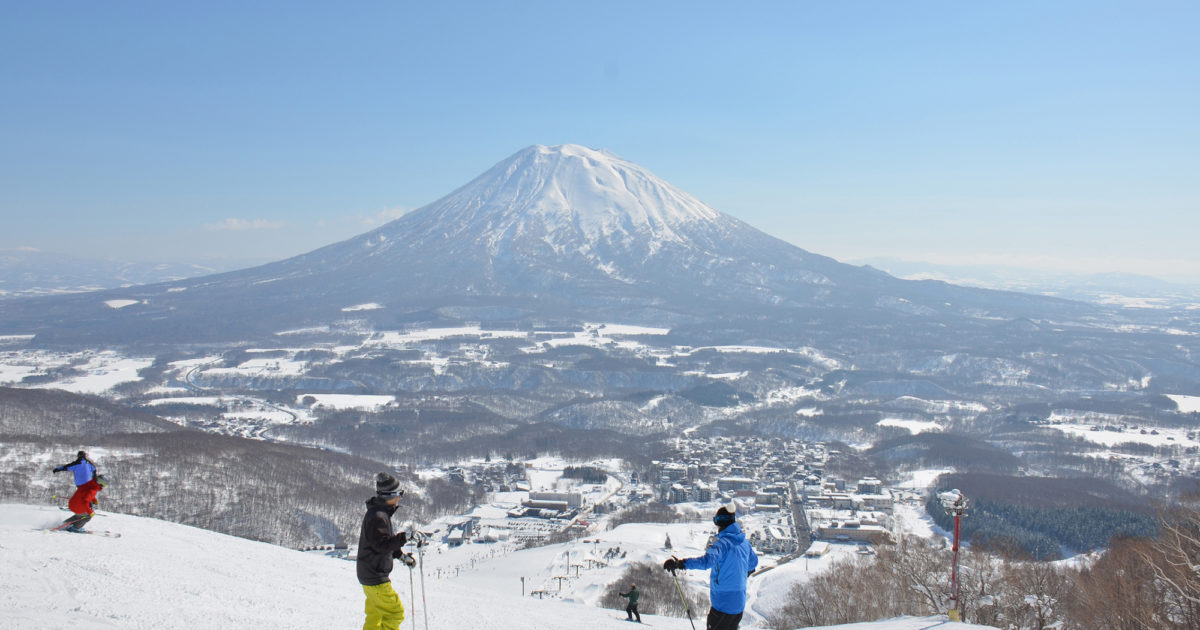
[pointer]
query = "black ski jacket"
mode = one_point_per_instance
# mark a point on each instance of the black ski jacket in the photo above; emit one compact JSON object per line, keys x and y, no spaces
{"x":377,"y":543}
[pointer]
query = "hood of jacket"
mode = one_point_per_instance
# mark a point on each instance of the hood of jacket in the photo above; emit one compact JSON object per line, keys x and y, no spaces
{"x":377,"y":503}
{"x":733,"y":532}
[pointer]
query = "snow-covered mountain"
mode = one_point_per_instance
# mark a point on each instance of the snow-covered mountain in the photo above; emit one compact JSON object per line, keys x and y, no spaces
{"x":160,"y":575}
{"x":566,"y":198}
{"x":558,"y":233}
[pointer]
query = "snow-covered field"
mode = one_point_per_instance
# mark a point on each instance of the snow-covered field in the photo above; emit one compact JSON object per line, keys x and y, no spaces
{"x":913,"y":426}
{"x":348,"y":401}
{"x":1186,"y":404}
{"x":103,"y":372}
{"x":92,"y":372}
{"x":1111,"y":437}
{"x":923,"y":479}
{"x":160,"y":575}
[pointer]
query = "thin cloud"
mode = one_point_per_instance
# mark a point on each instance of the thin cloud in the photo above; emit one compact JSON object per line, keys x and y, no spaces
{"x":239,"y":225}
{"x":385,"y":215}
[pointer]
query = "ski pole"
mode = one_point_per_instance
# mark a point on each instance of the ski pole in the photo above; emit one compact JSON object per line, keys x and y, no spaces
{"x":412,"y":596}
{"x":682,"y":599}
{"x":421,"y":563}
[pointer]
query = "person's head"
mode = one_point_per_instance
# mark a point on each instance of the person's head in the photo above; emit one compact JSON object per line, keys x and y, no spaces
{"x":725,"y":516}
{"x":387,"y":488}
{"x":632,"y":586}
{"x":81,"y":455}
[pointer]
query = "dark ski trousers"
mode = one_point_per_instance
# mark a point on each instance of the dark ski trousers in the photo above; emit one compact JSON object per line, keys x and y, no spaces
{"x":718,"y":620}
{"x":631,"y":610}
{"x":77,"y":521}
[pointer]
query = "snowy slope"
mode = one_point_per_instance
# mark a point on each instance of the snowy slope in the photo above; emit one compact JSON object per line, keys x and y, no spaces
{"x":569,"y":191}
{"x":161,"y":575}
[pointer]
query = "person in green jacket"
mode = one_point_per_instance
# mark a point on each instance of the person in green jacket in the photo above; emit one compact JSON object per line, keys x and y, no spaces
{"x":631,"y":608}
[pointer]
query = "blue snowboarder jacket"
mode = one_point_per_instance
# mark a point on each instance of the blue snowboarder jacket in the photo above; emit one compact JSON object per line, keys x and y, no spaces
{"x":81,"y":468}
{"x":732,"y":560}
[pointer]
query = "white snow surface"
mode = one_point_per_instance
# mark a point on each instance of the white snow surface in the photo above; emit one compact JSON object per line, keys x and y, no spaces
{"x":369,"y":306}
{"x":572,"y":187}
{"x":161,"y":575}
{"x":914,"y":426}
{"x":923,"y":479}
{"x":1186,"y":404}
{"x":348,"y":401}
{"x":1111,"y":436}
{"x":103,"y":371}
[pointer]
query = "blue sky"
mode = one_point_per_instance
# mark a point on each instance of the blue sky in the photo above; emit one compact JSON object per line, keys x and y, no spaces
{"x":1049,"y":134}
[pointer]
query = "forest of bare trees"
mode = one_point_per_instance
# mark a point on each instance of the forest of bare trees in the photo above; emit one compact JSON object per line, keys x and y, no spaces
{"x":1136,"y":584}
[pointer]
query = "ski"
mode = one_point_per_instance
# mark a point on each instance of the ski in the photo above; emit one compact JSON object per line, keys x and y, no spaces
{"x":98,"y":532}
{"x":633,"y":621}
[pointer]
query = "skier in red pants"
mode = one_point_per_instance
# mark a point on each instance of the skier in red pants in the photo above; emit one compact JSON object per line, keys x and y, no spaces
{"x":83,"y":504}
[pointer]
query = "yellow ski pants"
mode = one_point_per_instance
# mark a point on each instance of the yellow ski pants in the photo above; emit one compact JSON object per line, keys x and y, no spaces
{"x":383,"y":608}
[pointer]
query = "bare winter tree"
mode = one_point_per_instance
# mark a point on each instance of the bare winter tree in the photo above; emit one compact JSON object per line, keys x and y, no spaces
{"x":979,"y":586}
{"x":923,"y":569}
{"x":1174,"y":557}
{"x":1117,"y":592}
{"x":1037,"y":594}
{"x":659,"y":593}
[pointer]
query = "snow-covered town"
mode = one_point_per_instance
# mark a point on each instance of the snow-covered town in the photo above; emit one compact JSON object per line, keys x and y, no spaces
{"x":793,"y":514}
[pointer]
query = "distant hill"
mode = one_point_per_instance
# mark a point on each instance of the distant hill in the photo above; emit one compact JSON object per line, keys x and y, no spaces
{"x":934,"y":450}
{"x":30,"y":272}
{"x":49,"y":413}
{"x":281,"y":493}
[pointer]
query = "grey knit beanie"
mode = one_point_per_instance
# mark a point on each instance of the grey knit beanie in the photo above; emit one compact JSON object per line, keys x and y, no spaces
{"x":387,"y":486}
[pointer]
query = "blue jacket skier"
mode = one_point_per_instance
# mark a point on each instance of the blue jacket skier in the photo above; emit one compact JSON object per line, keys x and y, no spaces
{"x":87,"y":484}
{"x":83,"y":468}
{"x":730,"y":560}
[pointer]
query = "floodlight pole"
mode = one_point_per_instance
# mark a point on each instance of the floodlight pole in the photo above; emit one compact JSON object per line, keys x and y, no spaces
{"x":956,"y":506}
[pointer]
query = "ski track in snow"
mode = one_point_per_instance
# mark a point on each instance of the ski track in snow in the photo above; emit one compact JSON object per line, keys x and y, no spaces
{"x":161,"y":575}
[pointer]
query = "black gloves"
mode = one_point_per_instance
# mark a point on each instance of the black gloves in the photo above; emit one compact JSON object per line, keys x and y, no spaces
{"x":408,"y":560}
{"x":60,"y":469}
{"x":403,"y":538}
{"x":673,"y":564}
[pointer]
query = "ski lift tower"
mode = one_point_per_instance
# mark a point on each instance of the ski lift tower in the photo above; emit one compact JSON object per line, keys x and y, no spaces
{"x":956,"y":505}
